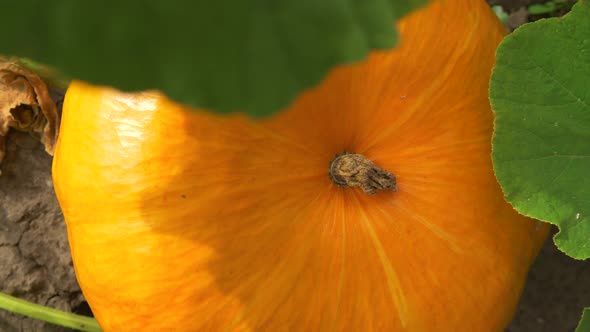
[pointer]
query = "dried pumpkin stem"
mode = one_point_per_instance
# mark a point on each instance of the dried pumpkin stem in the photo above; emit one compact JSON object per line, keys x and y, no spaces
{"x":349,"y":170}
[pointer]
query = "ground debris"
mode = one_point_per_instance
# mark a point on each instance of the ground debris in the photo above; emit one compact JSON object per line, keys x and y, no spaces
{"x":25,"y":105}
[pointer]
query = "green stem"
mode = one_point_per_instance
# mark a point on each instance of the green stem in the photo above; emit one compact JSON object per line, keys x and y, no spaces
{"x":47,"y":314}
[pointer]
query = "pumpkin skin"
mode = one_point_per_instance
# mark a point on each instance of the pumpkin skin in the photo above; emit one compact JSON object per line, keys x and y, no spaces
{"x":184,"y":220}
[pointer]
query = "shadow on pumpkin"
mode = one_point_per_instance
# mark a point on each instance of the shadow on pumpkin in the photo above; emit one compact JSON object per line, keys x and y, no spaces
{"x":247,"y":230}
{"x":246,"y":220}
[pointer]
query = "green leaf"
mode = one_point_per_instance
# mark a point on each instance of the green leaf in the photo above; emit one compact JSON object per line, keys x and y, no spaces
{"x":500,"y":13}
{"x":541,"y":147}
{"x":584,"y":325}
{"x":226,"y":55}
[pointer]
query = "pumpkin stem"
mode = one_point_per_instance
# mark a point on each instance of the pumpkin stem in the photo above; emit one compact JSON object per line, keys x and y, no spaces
{"x":350,"y":170}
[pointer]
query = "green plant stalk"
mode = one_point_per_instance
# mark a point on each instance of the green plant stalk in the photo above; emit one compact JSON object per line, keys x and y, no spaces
{"x":50,"y":315}
{"x":549,"y":7}
{"x":543,"y":8}
{"x":499,"y":11}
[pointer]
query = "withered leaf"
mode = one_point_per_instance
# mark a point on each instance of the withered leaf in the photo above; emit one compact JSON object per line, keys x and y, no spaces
{"x":25,"y":105}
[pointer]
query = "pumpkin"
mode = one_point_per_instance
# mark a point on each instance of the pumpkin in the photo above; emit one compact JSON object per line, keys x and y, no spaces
{"x":370,"y":204}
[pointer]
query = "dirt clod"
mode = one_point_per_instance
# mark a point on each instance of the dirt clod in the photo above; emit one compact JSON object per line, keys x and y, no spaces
{"x":35,"y":262}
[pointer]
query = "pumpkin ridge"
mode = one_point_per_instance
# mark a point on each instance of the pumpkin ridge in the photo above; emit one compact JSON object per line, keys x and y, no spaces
{"x":434,"y":229}
{"x":444,"y":150}
{"x":343,"y":264}
{"x":256,"y":304}
{"x":418,"y":111}
{"x":394,"y":286}
{"x":279,"y":136}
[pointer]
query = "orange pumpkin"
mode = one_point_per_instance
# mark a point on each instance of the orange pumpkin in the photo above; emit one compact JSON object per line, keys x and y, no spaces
{"x":189,"y":221}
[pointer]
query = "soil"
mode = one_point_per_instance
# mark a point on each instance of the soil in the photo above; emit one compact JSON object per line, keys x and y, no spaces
{"x":35,"y":263}
{"x":556,"y":292}
{"x":34,"y":254}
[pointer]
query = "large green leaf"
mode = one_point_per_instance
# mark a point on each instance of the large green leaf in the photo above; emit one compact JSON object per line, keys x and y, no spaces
{"x":584,"y":325}
{"x":227,"y":55}
{"x":540,"y":91}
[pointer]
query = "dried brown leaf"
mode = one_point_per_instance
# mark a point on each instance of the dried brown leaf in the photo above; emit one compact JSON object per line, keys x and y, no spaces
{"x":25,"y":105}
